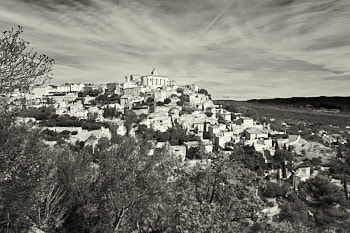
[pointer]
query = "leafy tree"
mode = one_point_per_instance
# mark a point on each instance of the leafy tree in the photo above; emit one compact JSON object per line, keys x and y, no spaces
{"x":250,"y":158}
{"x":272,"y":190}
{"x":323,"y":192}
{"x":185,"y":98}
{"x":203,"y":91}
{"x":110,"y":112}
{"x":279,"y":227}
{"x":180,"y":90}
{"x":19,"y":67}
{"x":160,"y":103}
{"x":146,"y":133}
{"x":282,"y":159}
{"x":128,"y":192}
{"x":163,"y":136}
{"x":208,"y":114}
{"x":167,"y":101}
{"x":179,"y":103}
{"x":186,"y":110}
{"x":130,"y":118}
{"x":339,"y":153}
{"x":23,"y":159}
{"x":178,"y":135}
{"x":42,"y":113}
{"x":150,"y":100}
{"x":194,"y":152}
{"x":220,"y":197}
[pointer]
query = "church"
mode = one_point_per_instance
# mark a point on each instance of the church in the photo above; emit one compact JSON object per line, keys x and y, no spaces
{"x":154,"y":80}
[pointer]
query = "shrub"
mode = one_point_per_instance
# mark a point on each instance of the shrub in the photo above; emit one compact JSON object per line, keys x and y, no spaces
{"x":194,"y":153}
{"x":74,"y":133}
{"x":180,"y":90}
{"x":65,"y":132}
{"x":203,"y":91}
{"x":273,"y":190}
{"x":209,"y":114}
{"x":167,"y":101}
{"x":160,"y":103}
{"x":185,"y":98}
{"x":179,"y":103}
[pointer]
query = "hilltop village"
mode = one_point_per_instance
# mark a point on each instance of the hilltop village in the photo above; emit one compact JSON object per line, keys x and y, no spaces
{"x":120,"y":130}
{"x":180,"y":118}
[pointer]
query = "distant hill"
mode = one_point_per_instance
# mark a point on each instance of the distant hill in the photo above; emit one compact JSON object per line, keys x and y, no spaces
{"x":315,"y":113}
{"x":322,"y":103}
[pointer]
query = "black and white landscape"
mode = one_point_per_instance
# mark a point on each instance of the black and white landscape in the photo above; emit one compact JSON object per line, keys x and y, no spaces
{"x":174,"y":116}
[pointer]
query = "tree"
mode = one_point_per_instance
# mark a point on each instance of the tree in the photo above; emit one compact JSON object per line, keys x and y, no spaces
{"x":178,"y":135}
{"x":180,"y":90}
{"x":281,"y":158}
{"x":276,"y":145}
{"x":23,"y":169}
{"x":250,"y":158}
{"x":179,"y":103}
{"x":130,"y":118}
{"x":339,"y":153}
{"x":218,"y":197}
{"x":323,"y":192}
{"x":160,"y":103}
{"x":185,"y":98}
{"x":128,"y":190}
{"x":272,"y":190}
{"x":150,"y":100}
{"x":194,"y":152}
{"x":19,"y":67}
{"x":167,"y":101}
{"x":208,"y":114}
{"x":203,"y":91}
{"x":163,"y":136}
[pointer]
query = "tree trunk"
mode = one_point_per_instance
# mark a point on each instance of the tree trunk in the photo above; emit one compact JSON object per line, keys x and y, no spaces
{"x":119,"y":220}
{"x":345,"y":187}
{"x":8,"y":221}
{"x":284,"y":171}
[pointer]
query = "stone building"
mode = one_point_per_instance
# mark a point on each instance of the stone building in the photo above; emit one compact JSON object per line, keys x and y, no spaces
{"x":154,"y":80}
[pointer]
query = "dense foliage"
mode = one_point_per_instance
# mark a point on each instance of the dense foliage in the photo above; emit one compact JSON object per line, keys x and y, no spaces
{"x":119,"y":186}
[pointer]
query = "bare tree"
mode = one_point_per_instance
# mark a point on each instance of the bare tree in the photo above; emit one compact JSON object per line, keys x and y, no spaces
{"x":20,"y":67}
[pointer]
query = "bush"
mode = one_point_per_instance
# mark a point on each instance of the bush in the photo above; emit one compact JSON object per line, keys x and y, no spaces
{"x":179,"y":103}
{"x":91,"y":126}
{"x":273,"y":190}
{"x":167,"y":101}
{"x":65,"y":132}
{"x":194,"y":153}
{"x":150,"y":100}
{"x":180,"y":90}
{"x":163,"y":136}
{"x":188,"y":110}
{"x":185,"y":98}
{"x":160,"y":103}
{"x":324,"y":192}
{"x":74,"y":133}
{"x":209,"y":114}
{"x":203,"y":91}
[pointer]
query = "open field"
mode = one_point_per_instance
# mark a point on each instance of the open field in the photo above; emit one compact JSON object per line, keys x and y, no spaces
{"x":289,"y":114}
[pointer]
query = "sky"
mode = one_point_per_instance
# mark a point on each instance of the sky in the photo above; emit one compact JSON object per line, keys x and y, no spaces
{"x":236,"y":49}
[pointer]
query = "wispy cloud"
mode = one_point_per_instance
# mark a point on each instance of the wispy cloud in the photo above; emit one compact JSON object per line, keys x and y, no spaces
{"x":239,"y":48}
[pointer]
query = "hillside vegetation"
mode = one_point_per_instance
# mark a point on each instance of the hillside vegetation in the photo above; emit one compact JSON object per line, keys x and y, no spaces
{"x":322,"y":102}
{"x":297,"y":115}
